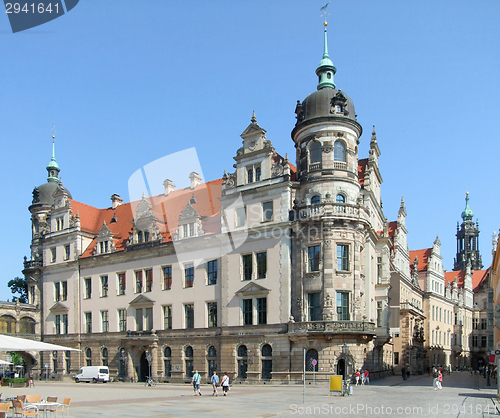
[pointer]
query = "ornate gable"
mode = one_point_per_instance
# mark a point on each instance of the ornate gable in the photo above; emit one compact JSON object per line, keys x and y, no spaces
{"x":58,"y":307}
{"x":142,"y":300}
{"x":252,"y":289}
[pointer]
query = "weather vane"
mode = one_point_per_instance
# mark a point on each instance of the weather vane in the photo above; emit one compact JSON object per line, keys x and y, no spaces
{"x":323,"y":9}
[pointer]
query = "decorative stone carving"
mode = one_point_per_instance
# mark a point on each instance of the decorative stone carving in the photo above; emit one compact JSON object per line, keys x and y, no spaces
{"x":276,"y":169}
{"x":36,"y":195}
{"x":229,"y":180}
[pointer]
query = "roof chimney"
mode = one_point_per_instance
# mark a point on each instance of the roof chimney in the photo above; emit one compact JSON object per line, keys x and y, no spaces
{"x":195,"y":179}
{"x":169,"y":187}
{"x":116,"y":201}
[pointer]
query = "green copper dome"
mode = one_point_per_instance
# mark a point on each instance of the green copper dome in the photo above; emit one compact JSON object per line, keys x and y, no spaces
{"x":467,"y":213}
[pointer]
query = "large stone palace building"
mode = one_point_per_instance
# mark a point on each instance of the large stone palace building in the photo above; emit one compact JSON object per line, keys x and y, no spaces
{"x":249,"y":273}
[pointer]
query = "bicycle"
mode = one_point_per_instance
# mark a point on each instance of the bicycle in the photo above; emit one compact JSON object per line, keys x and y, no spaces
{"x":150,"y":381}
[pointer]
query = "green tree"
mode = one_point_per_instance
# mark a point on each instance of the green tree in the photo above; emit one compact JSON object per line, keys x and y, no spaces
{"x":20,"y":287}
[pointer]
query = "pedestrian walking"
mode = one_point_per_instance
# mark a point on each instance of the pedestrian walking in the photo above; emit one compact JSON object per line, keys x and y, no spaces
{"x":215,"y":383}
{"x":196,"y":383}
{"x":357,"y":377}
{"x":403,"y":372}
{"x":362,"y":378}
{"x":435,"y":378}
{"x":440,"y":380}
{"x":31,"y":382}
{"x":225,"y":383}
{"x":367,"y":377}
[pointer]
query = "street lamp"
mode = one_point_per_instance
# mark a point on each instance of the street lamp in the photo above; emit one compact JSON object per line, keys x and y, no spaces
{"x":149,"y":358}
{"x":345,"y":351}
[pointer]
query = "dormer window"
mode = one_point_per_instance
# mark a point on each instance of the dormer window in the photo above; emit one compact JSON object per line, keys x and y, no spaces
{"x":59,"y":223}
{"x":139,"y":236}
{"x":254,"y":173}
{"x":103,"y":246}
{"x":338,"y":108}
{"x":315,"y":200}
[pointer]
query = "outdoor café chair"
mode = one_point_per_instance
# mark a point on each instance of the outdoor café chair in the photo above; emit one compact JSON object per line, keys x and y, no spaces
{"x":21,"y":410}
{"x":63,"y":408}
{"x":33,"y":398}
{"x":21,"y":398}
{"x":4,"y":408}
{"x":52,"y":408}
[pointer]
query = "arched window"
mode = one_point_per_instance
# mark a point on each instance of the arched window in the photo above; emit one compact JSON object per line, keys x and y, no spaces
{"x":340,"y":198}
{"x":123,"y":362}
{"x":315,"y":200}
{"x":26,"y":326}
{"x":7,"y":324}
{"x":167,"y":361}
{"x":211,"y":360}
{"x":267,"y":362}
{"x":104,"y":353}
{"x":315,"y":152}
{"x":88,"y":356}
{"x":311,"y":355}
{"x":242,"y":361}
{"x":188,"y":360}
{"x":339,"y":151}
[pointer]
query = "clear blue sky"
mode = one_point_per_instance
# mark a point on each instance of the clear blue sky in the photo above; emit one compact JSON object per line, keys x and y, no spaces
{"x":127,"y":82}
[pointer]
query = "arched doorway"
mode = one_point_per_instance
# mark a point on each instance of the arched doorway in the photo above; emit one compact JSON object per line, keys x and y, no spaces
{"x":341,"y":367}
{"x":144,"y":368}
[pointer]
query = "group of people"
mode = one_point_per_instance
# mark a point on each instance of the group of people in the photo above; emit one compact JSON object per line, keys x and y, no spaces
{"x":362,"y":377}
{"x":437,"y":378}
{"x":214,"y":380}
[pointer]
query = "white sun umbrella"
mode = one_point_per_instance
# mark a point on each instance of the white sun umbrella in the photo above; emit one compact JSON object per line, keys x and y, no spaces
{"x":8,"y":343}
{"x":4,"y":363}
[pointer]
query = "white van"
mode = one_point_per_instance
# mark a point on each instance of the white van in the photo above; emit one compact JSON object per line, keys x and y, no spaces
{"x":93,"y":374}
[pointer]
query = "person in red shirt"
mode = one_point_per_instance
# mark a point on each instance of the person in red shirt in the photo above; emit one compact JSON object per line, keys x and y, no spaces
{"x":357,"y":377}
{"x":367,"y":377}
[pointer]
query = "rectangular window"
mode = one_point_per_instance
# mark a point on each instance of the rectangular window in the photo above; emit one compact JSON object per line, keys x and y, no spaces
{"x":396,"y":358}
{"x":483,"y":340}
{"x":53,"y":255}
{"x":379,"y":269}
{"x":64,"y":323}
{"x":267,"y":211}
{"x":122,"y":284}
{"x":191,"y":229}
{"x":149,"y":280}
{"x":104,"y":286}
{"x":149,"y":319}
{"x":250,"y":175}
{"x":247,"y":266}
{"x":314,"y":307}
{"x":490,"y":340}
{"x":188,"y":275}
{"x":57,"y":291}
{"x":138,"y":281}
{"x":343,"y":257}
{"x":313,"y":253}
{"x":185,"y":230}
{"x":122,"y":320}
{"x":261,"y":265}
{"x":379,"y":314}
{"x":139,"y":319}
{"x":57,"y":323}
{"x":167,"y":317}
{"x":483,"y":323}
{"x":490,"y":319}
{"x":490,"y":297}
{"x":212,"y":272}
{"x":474,"y":341}
{"x":67,"y":252}
{"x":261,"y":311}
{"x":88,"y":322}
{"x":343,"y":306}
{"x":241,"y":217}
{"x":88,"y":288}
{"x":167,"y":278}
{"x":475,"y":322}
{"x":104,"y":321}
{"x":189,"y":316}
{"x":257,"y":173}
{"x":212,"y":314}
{"x":247,"y":312}
{"x":64,"y":291}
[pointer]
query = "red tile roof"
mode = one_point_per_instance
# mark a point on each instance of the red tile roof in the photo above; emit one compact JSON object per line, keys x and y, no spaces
{"x":478,"y":278}
{"x":361,"y":170}
{"x":165,"y":208}
{"x":422,"y":257}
